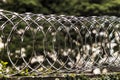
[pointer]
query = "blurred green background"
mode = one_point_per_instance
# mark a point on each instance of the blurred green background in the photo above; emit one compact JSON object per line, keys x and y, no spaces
{"x":67,"y":7}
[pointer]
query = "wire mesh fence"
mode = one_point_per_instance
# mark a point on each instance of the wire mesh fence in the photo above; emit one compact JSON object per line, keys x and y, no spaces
{"x":40,"y":44}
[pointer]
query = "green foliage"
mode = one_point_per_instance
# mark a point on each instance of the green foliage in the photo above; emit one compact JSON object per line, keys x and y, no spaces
{"x":29,"y":2}
{"x":76,"y":77}
{"x":100,"y":77}
{"x":3,"y":66}
{"x":111,"y":77}
{"x":24,"y":73}
{"x":69,"y":7}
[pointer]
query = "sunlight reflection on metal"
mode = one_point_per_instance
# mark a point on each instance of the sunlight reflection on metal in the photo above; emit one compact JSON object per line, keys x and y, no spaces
{"x":45,"y":44}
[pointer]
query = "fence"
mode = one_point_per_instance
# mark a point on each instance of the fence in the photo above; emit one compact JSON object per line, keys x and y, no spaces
{"x":37,"y":44}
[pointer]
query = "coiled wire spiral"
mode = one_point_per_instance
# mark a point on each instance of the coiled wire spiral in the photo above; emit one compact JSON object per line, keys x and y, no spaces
{"x":44,"y":44}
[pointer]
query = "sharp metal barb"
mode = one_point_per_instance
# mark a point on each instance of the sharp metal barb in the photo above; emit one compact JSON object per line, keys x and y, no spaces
{"x":44,"y":44}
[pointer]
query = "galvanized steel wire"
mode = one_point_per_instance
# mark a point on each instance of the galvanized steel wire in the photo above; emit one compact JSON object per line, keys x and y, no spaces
{"x":51,"y":43}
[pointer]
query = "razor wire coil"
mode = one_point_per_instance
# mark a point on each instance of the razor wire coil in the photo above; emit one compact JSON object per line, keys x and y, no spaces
{"x":51,"y":43}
